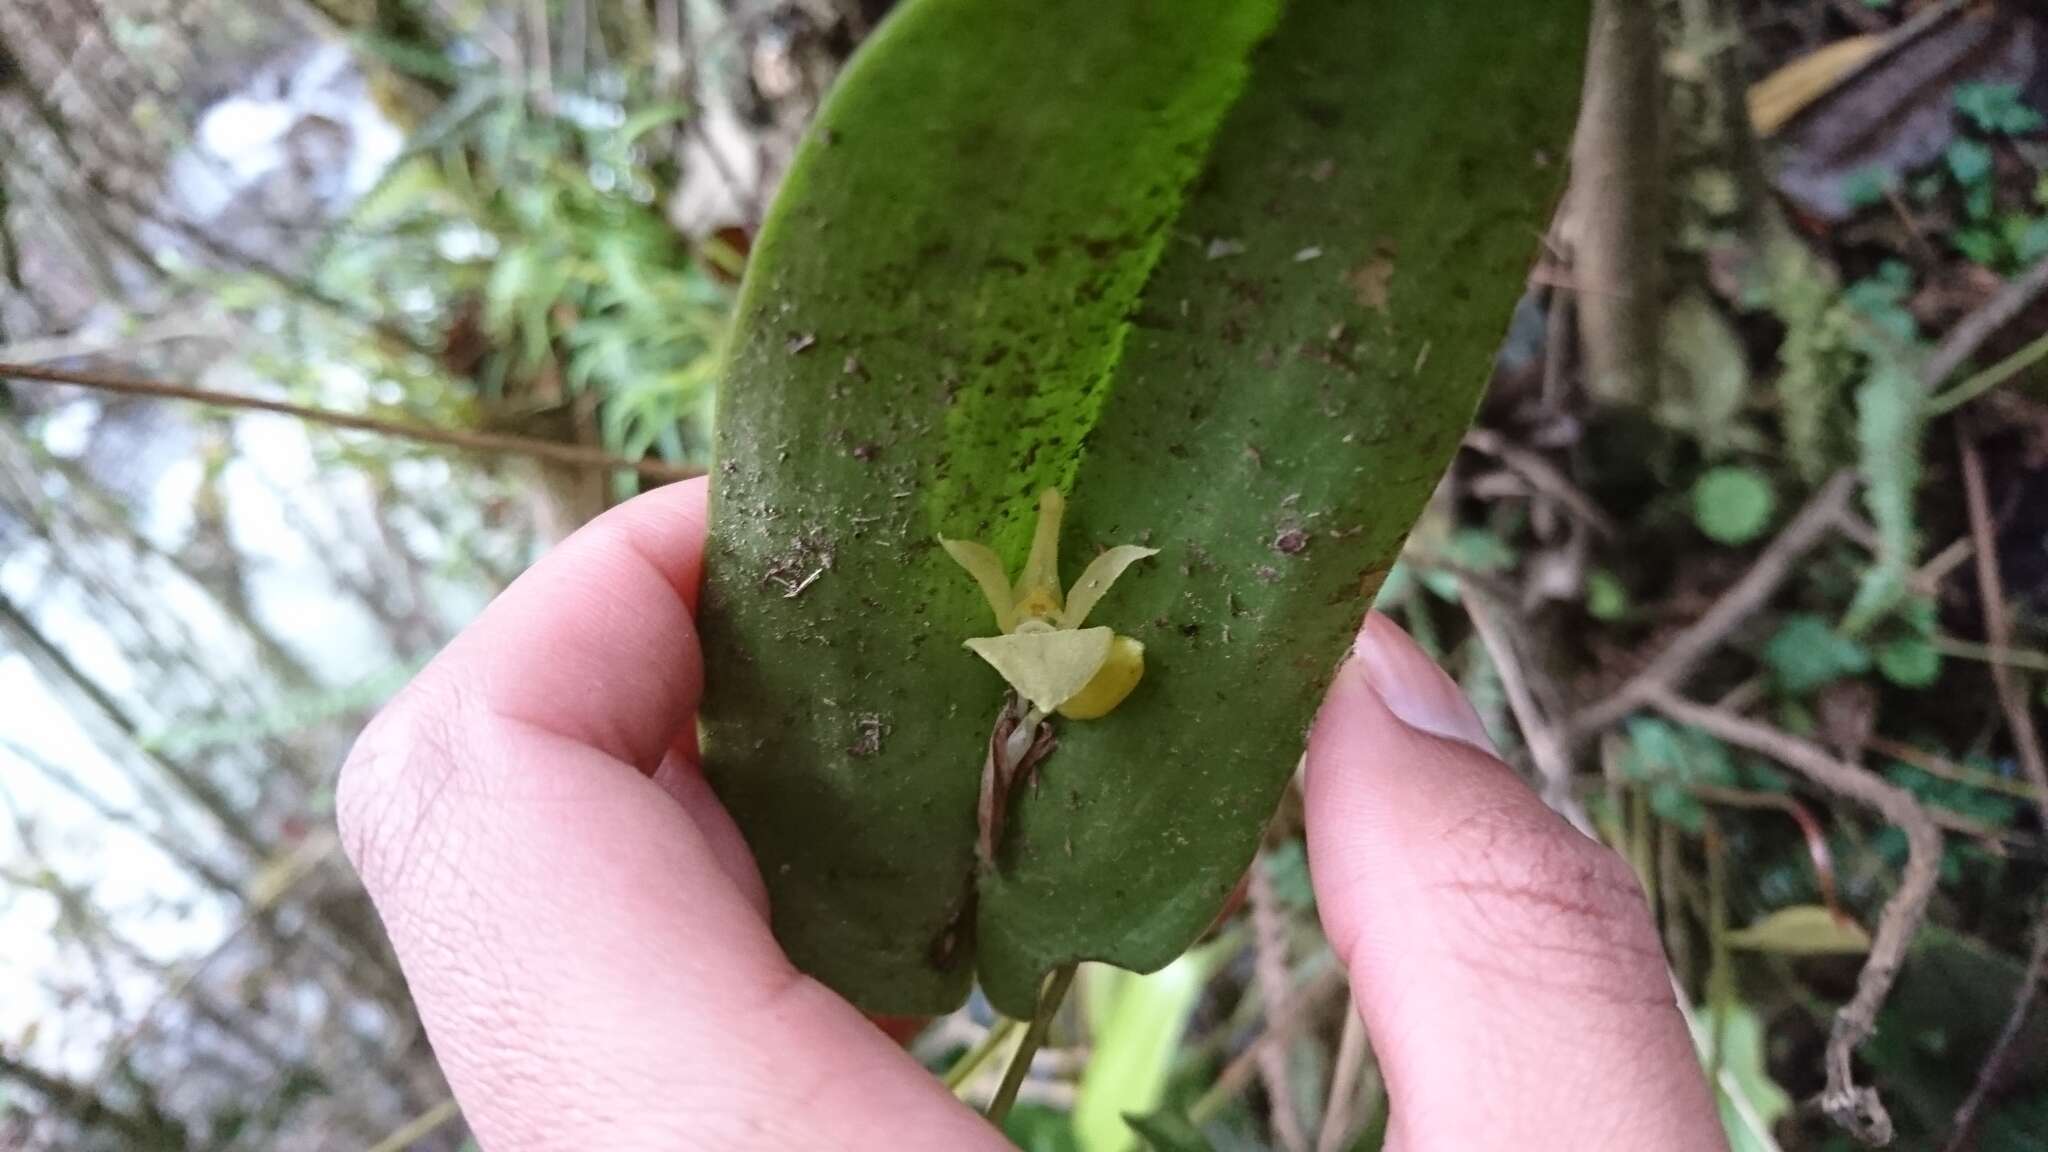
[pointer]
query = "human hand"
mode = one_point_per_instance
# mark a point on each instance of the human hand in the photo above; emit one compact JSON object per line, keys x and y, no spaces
{"x":586,"y":935}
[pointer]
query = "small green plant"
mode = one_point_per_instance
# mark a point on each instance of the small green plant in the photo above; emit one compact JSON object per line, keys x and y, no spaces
{"x":1807,"y":653}
{"x":1997,"y":109}
{"x":1905,"y":651}
{"x":1996,"y":239}
{"x":1880,"y":300}
{"x":1733,"y":505}
{"x":532,"y":241}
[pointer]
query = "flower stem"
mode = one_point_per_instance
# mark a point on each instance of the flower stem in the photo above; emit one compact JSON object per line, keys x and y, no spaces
{"x":1049,"y":1001}
{"x":963,"y":1071}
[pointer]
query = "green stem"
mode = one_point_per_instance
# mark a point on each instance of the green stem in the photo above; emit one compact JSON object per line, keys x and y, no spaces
{"x":1990,"y":378}
{"x":1049,"y":1000}
{"x":963,"y":1071}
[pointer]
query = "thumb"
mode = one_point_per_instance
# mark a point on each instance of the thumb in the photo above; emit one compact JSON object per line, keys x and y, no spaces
{"x":1506,"y":966}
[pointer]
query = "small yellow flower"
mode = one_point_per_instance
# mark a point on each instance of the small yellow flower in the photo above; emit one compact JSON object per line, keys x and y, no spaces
{"x":1044,"y":652}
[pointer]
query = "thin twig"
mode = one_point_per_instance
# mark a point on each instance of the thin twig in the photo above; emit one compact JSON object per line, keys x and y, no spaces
{"x":1936,"y":571}
{"x":2012,"y":693}
{"x":1335,"y":1134}
{"x":2015,"y":1022}
{"x":1669,"y":669}
{"x":290,"y":871}
{"x":158,"y":330}
{"x":1279,"y":1030}
{"x":1543,"y":476}
{"x":1269,"y":971}
{"x":1816,"y":839}
{"x":1935,"y":765}
{"x":1926,"y":579}
{"x":1854,"y":1107}
{"x":1969,"y":336}
{"x":419,"y":1127}
{"x":1982,"y":382}
{"x":1553,"y":759}
{"x":2024,"y":658}
{"x":489,"y":443}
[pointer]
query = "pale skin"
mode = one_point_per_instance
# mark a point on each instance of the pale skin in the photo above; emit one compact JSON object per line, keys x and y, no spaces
{"x":585,"y":932}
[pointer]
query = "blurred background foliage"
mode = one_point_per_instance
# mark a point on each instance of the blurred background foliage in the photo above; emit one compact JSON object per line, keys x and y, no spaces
{"x":1764,"y":453}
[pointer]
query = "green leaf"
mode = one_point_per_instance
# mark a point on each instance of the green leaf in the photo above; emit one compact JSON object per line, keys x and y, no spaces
{"x":1881,"y":299}
{"x":1979,"y":246}
{"x":1909,"y":661}
{"x":1169,"y":1132}
{"x":1135,"y":1027}
{"x":1803,"y":930}
{"x":1969,"y":161}
{"x":1037,"y":1128}
{"x":1670,"y":760}
{"x":1807,"y":653}
{"x":648,"y":118}
{"x":1606,"y":595}
{"x":1733,"y":505}
{"x":1751,"y":1103}
{"x":1865,"y":187}
{"x":1288,"y":864}
{"x":2028,"y":238}
{"x":1997,"y":109}
{"x":1228,"y":279}
{"x":1479,"y":550}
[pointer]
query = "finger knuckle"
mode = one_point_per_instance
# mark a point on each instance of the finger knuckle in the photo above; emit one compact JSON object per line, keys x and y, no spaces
{"x":394,"y":776}
{"x":1532,"y":897}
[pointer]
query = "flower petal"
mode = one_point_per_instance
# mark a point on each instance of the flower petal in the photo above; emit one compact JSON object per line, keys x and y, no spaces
{"x":986,"y":567}
{"x":1047,"y":667}
{"x":1110,"y":684}
{"x":1039,"y":582}
{"x":1100,"y":574}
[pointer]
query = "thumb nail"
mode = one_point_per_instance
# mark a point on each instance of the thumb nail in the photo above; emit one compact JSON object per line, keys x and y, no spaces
{"x":1414,"y":689}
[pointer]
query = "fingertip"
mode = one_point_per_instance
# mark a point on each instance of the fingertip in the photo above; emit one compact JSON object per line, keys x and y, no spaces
{"x":669,"y":526}
{"x":1413,"y":687}
{"x":1480,"y":929}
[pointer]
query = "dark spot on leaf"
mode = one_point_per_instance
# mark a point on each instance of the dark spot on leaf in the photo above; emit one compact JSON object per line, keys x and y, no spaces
{"x":1322,"y":113}
{"x":867,"y":451}
{"x":801,"y":342}
{"x":1290,"y":541}
{"x":868,"y":730}
{"x":1191,"y":630}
